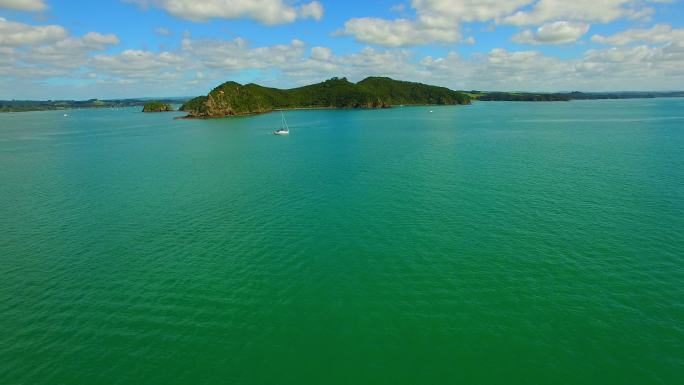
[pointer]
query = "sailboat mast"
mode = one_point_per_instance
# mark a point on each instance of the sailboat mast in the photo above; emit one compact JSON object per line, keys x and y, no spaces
{"x":283,"y":121}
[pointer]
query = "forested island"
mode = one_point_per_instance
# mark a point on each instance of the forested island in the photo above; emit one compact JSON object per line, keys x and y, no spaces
{"x":233,"y":99}
{"x":157,"y":107}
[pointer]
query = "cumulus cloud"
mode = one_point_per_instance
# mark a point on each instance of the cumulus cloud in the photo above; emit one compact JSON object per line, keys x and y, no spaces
{"x":633,"y":68}
{"x":642,"y":65}
{"x":449,"y":11}
{"x":513,"y":70}
{"x":312,"y":10}
{"x":96,"y":39}
{"x":600,"y":11}
{"x":661,"y":33}
{"x":194,"y":69}
{"x":197,"y":63}
{"x":324,"y":63}
{"x":39,"y":52}
{"x":269,"y":12}
{"x":617,"y":68}
{"x":138,"y":64}
{"x":237,"y":54}
{"x":560,"y":32}
{"x":68,"y":53}
{"x":321,"y":53}
{"x":23,"y":5}
{"x":437,"y":21}
{"x":397,"y":33}
{"x":18,"y":34}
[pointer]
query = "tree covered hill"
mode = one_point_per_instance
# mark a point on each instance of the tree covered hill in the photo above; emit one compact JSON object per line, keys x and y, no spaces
{"x":155,"y":106}
{"x":232,"y":98}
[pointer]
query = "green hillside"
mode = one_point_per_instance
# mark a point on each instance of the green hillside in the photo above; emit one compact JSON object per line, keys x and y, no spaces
{"x":232,"y":98}
{"x":155,"y":106}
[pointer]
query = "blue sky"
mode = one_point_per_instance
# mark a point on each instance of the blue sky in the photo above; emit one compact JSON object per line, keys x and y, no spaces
{"x":134,"y":48}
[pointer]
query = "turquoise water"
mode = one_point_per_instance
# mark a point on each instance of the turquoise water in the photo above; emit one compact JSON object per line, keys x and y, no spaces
{"x":498,"y":243}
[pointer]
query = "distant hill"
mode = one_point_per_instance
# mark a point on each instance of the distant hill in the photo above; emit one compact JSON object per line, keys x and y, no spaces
{"x":522,"y":97}
{"x":567,"y":96}
{"x":230,"y":99}
{"x":44,"y":105}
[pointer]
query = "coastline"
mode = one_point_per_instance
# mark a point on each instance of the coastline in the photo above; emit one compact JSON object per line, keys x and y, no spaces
{"x":190,"y":117}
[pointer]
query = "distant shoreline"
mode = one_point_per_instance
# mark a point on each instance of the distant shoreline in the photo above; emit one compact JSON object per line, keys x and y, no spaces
{"x":60,"y":105}
{"x":190,"y":117}
{"x":33,"y":106}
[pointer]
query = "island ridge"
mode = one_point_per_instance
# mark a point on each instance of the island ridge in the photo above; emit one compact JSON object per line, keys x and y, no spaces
{"x":233,"y":99}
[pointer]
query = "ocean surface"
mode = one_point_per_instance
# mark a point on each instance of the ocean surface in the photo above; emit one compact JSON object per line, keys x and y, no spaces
{"x":498,"y":243}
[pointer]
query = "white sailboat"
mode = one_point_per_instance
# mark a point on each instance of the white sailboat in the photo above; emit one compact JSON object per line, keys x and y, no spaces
{"x":284,"y":129}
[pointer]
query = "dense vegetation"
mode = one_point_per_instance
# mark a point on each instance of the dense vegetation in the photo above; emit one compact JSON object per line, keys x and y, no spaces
{"x":235,"y":99}
{"x":157,"y":107}
{"x":33,"y":105}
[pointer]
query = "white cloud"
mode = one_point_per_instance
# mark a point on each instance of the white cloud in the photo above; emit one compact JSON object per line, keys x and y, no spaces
{"x":560,"y":32}
{"x":642,"y":66}
{"x":195,"y":69}
{"x":68,"y":53}
{"x":633,"y":68}
{"x":139,"y":64}
{"x":661,"y":33}
{"x":515,"y":70}
{"x":450,"y":11}
{"x":321,"y":53}
{"x":437,"y":21}
{"x":97,"y":39}
{"x":39,"y":52}
{"x":312,"y":10}
{"x":323,"y":63}
{"x":23,"y":5}
{"x":231,"y":55}
{"x":397,"y":33}
{"x":18,"y":34}
{"x":269,"y":12}
{"x":599,"y":11}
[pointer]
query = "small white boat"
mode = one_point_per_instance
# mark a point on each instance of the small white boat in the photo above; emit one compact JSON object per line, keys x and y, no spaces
{"x":65,"y":115}
{"x":284,"y":129}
